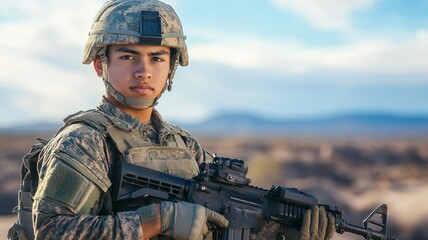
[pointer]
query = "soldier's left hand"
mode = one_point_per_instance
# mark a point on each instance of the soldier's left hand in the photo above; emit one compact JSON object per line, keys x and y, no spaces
{"x":317,"y":225}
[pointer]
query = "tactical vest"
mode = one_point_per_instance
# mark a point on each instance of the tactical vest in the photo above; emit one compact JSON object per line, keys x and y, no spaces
{"x":174,"y":159}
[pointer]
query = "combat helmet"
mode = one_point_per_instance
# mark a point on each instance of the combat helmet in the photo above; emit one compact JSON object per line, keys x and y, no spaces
{"x":145,"y":22}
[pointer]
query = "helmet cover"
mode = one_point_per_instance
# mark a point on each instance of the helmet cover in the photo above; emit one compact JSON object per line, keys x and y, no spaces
{"x":145,"y":22}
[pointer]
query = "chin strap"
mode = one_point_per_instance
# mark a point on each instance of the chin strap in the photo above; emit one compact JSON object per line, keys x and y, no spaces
{"x":135,"y":103}
{"x":175,"y":60}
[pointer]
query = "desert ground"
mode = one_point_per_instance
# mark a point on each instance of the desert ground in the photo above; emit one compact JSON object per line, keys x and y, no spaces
{"x":354,"y":174}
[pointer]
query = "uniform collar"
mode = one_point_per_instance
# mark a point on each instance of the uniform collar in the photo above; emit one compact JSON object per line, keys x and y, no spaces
{"x":133,"y":123}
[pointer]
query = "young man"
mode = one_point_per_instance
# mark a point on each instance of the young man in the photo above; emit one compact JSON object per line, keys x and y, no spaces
{"x":135,"y":47}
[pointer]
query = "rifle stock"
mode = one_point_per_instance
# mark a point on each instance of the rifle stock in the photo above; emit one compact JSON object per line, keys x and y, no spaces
{"x":223,"y":187}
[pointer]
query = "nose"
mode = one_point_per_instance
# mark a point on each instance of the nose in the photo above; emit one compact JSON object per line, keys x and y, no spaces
{"x":143,"y":70}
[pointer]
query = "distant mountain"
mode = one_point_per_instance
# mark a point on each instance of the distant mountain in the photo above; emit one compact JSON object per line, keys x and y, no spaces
{"x":355,"y":124}
{"x":367,"y":124}
{"x":40,"y":127}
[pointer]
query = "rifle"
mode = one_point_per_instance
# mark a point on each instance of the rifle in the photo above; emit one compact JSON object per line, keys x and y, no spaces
{"x":222,"y":186}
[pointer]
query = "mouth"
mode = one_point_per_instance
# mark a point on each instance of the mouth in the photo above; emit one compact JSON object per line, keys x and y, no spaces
{"x":142,"y":89}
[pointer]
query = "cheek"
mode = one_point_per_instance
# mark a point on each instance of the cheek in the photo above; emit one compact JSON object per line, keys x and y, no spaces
{"x":115,"y":76}
{"x":165,"y":72}
{"x":163,"y":78}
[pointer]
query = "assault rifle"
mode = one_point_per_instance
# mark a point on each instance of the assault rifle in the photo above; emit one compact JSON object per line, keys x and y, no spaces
{"x":222,"y":186}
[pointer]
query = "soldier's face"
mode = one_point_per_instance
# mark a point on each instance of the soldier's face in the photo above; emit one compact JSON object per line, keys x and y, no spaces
{"x":138,"y":71}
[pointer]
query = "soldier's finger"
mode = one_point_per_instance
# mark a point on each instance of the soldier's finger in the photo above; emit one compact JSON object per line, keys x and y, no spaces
{"x":314,"y":222}
{"x":217,"y":219}
{"x":205,"y":230}
{"x":323,"y":222}
{"x":306,"y":224}
{"x":331,"y":228}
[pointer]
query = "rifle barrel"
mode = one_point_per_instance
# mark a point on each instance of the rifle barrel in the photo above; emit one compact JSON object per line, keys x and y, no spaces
{"x":367,"y":233}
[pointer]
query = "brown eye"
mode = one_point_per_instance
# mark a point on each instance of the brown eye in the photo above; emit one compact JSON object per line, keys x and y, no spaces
{"x":127,"y":57}
{"x":157,"y":59}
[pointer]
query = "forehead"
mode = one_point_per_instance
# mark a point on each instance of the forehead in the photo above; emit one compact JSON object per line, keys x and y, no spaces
{"x":139,"y":48}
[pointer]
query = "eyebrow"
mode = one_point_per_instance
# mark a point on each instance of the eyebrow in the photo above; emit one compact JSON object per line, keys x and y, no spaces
{"x":135,"y":52}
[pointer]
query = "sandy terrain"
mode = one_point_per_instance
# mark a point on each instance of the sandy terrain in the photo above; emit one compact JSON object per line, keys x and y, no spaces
{"x":5,"y":223}
{"x":354,"y":174}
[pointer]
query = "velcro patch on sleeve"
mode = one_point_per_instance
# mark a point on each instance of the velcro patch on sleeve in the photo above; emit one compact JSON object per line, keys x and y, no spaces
{"x":68,"y":187}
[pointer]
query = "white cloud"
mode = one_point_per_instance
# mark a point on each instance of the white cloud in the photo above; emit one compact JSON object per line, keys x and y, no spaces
{"x":380,"y":56}
{"x":48,"y":27}
{"x":41,"y":68}
{"x":45,"y":91}
{"x":41,"y":50}
{"x":11,"y":9}
{"x":325,"y":14}
{"x":43,"y":77}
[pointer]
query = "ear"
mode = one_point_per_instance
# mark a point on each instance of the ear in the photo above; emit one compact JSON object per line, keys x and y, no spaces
{"x":98,"y":66}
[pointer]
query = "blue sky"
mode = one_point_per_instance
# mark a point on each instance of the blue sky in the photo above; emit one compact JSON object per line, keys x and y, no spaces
{"x":275,"y":58}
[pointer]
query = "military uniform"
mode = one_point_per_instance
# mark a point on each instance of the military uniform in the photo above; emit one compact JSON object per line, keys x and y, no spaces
{"x":75,"y":169}
{"x":91,"y":153}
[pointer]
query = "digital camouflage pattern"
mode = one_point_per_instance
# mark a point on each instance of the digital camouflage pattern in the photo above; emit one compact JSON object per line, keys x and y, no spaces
{"x":94,"y":155}
{"x":118,"y":22}
{"x":269,"y":231}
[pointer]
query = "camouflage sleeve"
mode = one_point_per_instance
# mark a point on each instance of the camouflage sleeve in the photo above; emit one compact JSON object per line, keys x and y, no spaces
{"x":84,"y":151}
{"x":270,"y":230}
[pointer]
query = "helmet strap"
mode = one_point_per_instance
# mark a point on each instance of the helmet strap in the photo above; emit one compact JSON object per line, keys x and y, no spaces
{"x":175,"y":60}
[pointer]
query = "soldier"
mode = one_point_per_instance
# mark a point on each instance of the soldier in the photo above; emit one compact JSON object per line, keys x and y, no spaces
{"x":135,"y":47}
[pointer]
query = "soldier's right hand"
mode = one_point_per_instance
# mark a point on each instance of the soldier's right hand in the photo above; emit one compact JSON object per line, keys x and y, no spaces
{"x":184,"y":220}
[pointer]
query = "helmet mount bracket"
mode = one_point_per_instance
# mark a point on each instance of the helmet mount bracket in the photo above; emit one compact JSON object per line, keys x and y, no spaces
{"x":150,"y":28}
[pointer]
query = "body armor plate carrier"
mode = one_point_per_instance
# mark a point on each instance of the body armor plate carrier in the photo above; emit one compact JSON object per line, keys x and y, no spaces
{"x":173,"y":159}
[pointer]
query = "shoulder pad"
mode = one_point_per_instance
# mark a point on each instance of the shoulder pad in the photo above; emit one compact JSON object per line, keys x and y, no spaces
{"x":82,"y":147}
{"x":97,"y":120}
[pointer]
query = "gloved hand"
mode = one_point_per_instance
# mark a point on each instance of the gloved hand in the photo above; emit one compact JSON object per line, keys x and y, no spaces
{"x":317,"y":225}
{"x":183,"y":220}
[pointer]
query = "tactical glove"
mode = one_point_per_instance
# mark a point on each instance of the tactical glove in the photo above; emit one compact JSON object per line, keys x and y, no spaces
{"x":183,"y":220}
{"x":317,"y":225}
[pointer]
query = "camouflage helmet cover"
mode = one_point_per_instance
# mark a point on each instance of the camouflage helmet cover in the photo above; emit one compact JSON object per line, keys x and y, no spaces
{"x":131,"y":22}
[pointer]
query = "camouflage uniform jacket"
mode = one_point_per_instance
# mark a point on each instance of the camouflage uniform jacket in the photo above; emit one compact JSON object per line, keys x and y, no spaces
{"x":94,"y":152}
